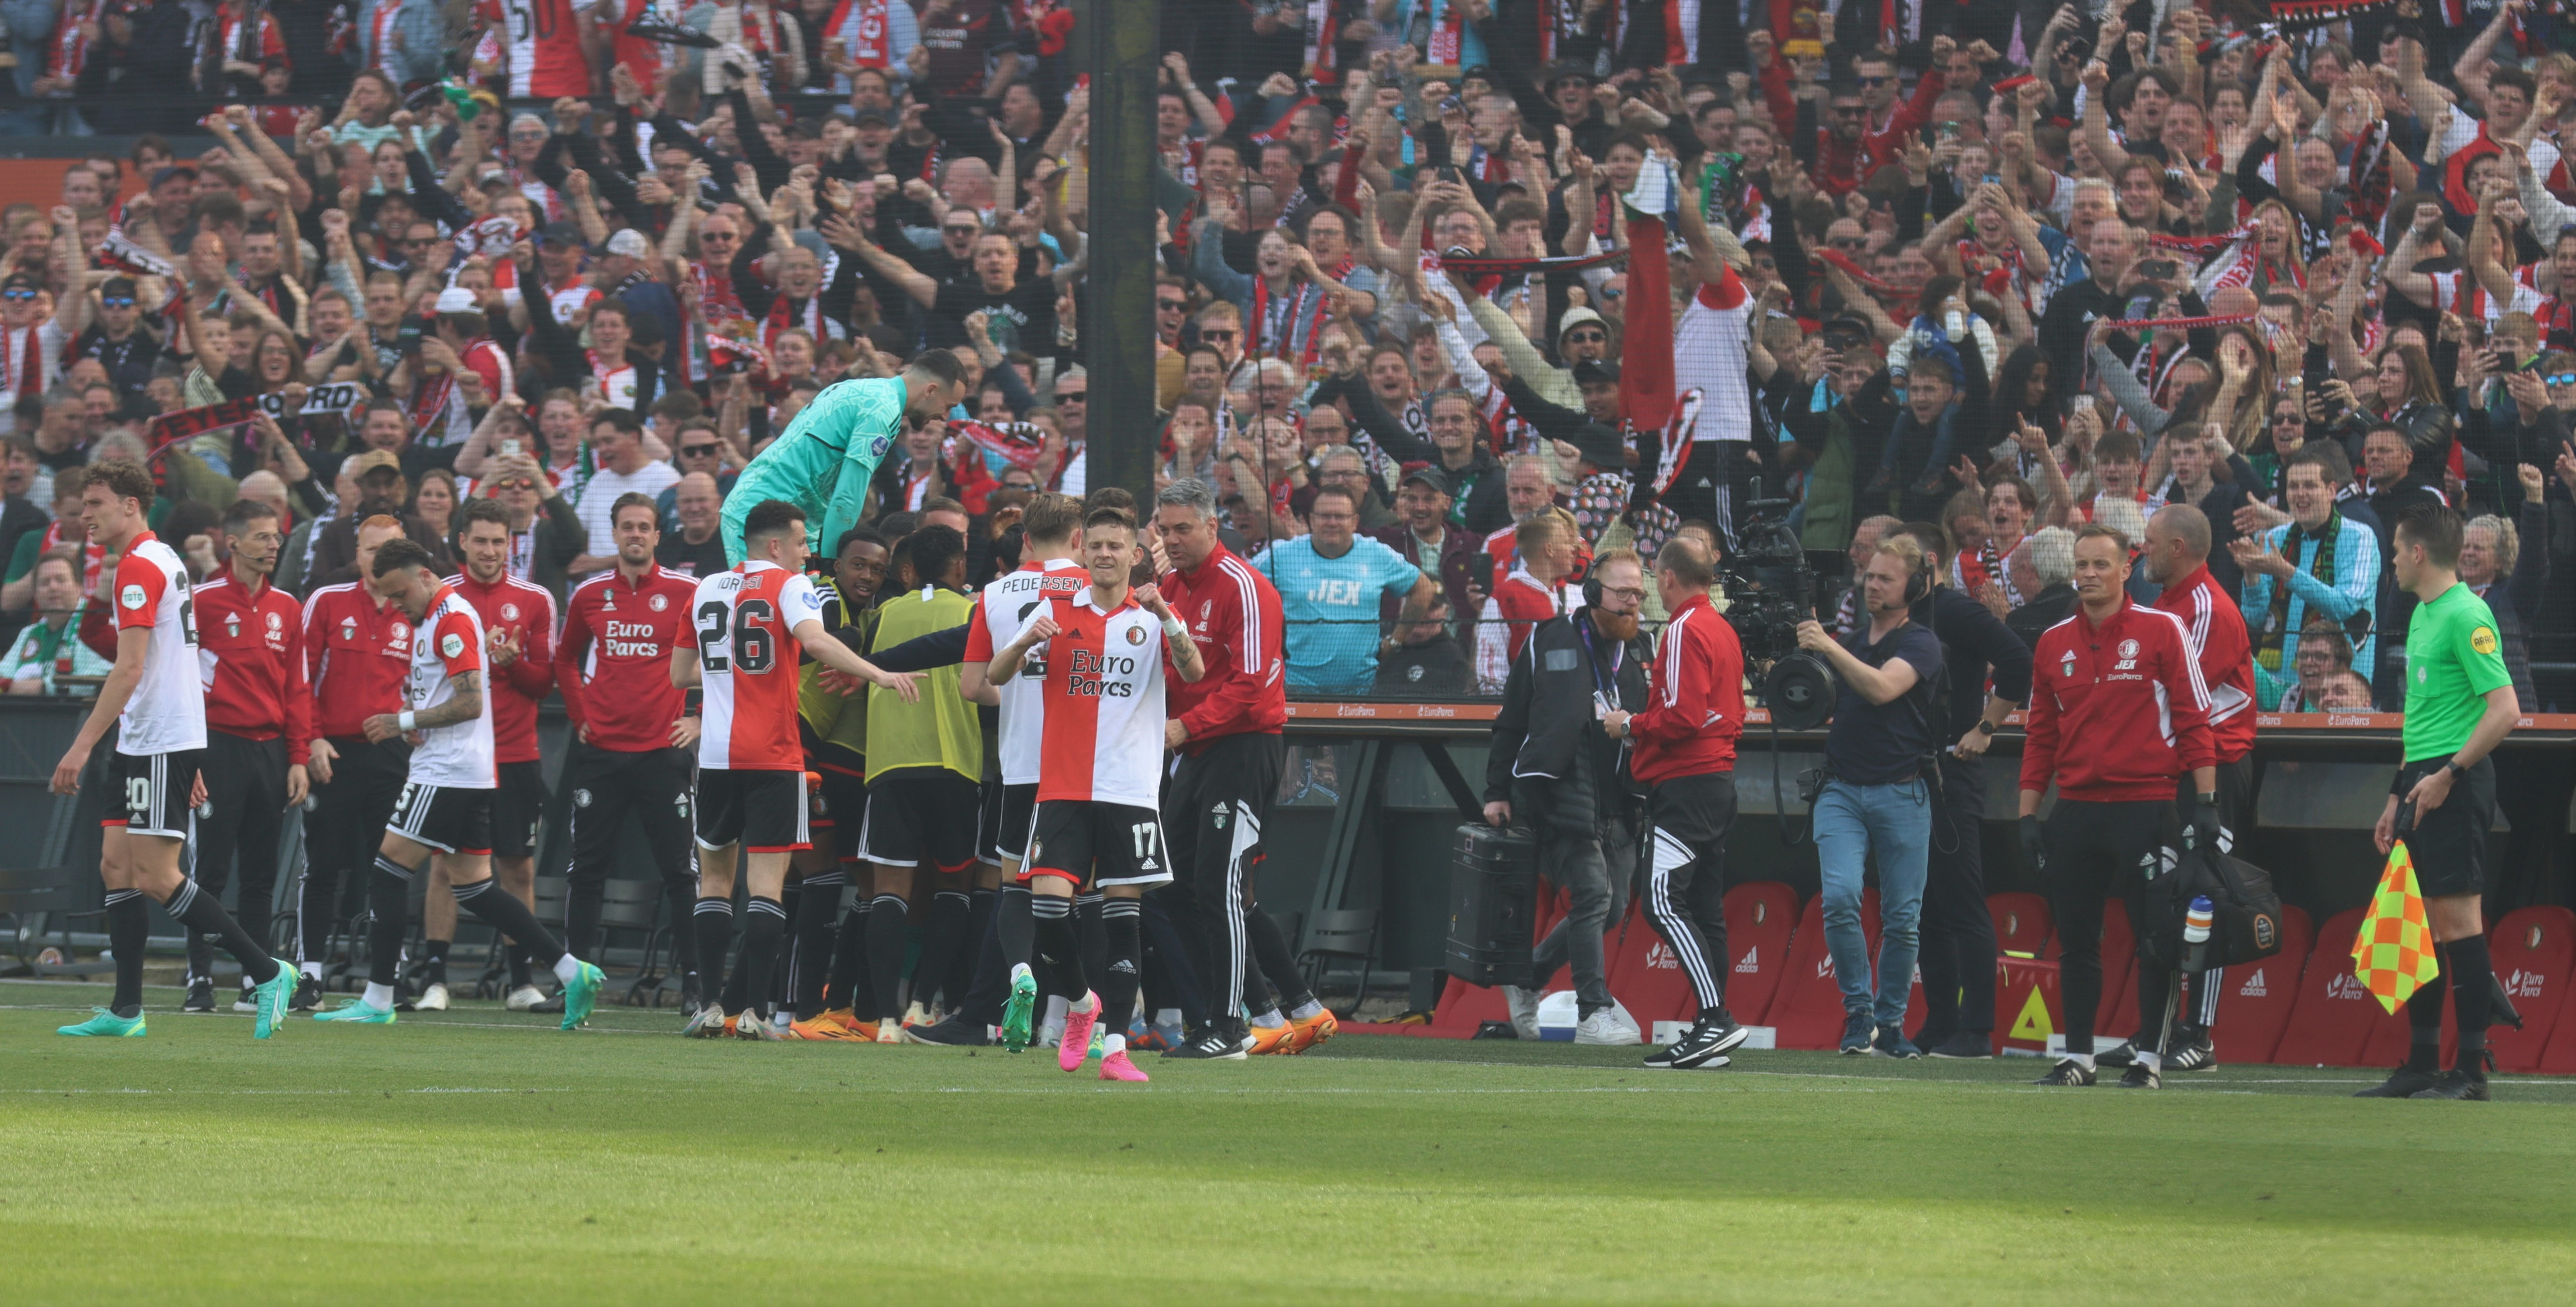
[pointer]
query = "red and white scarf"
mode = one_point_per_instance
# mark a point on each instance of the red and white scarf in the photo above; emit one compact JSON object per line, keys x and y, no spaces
{"x":861,"y":25}
{"x":25,"y":367}
{"x":1323,"y":33}
{"x":617,"y":381}
{"x":1278,"y":324}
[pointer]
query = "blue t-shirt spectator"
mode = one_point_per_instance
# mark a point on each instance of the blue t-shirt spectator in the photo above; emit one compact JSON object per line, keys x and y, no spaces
{"x":1883,"y":743}
{"x":1332,"y":608}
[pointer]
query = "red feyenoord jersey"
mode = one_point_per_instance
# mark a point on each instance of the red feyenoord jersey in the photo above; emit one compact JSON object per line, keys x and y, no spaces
{"x":168,"y":711}
{"x":2215,"y":631}
{"x":1103,"y":739}
{"x":527,"y":611}
{"x":250,"y":657}
{"x":544,"y":45}
{"x":742,"y":624}
{"x":1008,"y":603}
{"x":1233,"y":613}
{"x":356,"y":653}
{"x":614,"y":659}
{"x":450,"y":645}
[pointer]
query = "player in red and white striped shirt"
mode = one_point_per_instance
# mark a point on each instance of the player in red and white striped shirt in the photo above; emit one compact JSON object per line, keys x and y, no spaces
{"x":445,"y":811}
{"x":746,"y":626}
{"x":154,"y":700}
{"x":1100,"y":773}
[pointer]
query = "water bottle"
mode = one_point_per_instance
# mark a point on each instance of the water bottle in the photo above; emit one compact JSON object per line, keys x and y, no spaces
{"x":2195,"y":921}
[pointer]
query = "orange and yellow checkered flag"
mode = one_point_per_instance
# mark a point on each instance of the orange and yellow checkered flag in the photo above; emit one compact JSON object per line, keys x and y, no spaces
{"x":2393,"y":955}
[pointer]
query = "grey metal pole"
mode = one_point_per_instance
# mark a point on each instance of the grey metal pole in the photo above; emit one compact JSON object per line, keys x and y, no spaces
{"x":1119,"y":42}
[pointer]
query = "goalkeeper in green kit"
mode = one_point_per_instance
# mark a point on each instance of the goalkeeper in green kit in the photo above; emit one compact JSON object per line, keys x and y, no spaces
{"x":827,"y":456}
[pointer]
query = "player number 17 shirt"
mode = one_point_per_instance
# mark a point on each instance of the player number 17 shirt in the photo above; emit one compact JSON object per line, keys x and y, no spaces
{"x":1104,"y":703}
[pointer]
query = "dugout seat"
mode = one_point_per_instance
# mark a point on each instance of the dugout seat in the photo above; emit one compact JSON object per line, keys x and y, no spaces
{"x":2255,"y":998}
{"x":2332,"y":1019}
{"x":2534,"y":950}
{"x":2022,"y":923}
{"x":1761,"y":920}
{"x":1807,"y":1011}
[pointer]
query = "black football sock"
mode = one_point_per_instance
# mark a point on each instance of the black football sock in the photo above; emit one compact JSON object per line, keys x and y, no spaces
{"x":1118,"y":920}
{"x":679,"y":902}
{"x":129,"y":932}
{"x":943,"y":939}
{"x":712,"y":923}
{"x":389,"y":919}
{"x":202,"y":915}
{"x":809,"y":964}
{"x":992,"y":976}
{"x":2424,"y":1017}
{"x":853,"y":985}
{"x":520,"y":972}
{"x":1060,"y":944}
{"x":433,"y":961}
{"x":502,"y":910}
{"x":1014,"y":925}
{"x":888,"y":919}
{"x":763,"y":921}
{"x":2473,"y":999}
{"x":967,"y":963}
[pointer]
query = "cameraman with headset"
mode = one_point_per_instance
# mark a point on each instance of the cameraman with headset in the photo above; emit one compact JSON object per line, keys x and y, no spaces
{"x":1958,"y":950}
{"x":1876,"y":794}
{"x":1554,"y":765}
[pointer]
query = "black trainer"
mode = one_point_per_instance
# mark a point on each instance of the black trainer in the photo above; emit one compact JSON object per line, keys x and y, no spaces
{"x":553,"y":1004}
{"x":2068,"y":1071}
{"x":1704,"y":1044}
{"x":2192,"y":1052}
{"x":2456,"y":1084}
{"x":2404,"y":1082}
{"x":956,"y":1032}
{"x":2141,"y":1076}
{"x":308,"y":995}
{"x":2125,"y":1054}
{"x":1216,"y":1043}
{"x":201,"y":996}
{"x":1891,"y":1042}
{"x":1964,"y":1046}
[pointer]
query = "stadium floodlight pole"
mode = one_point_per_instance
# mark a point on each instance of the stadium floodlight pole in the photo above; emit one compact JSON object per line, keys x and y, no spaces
{"x":1118,"y":42}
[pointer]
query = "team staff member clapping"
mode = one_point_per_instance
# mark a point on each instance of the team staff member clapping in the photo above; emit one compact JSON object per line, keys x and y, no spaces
{"x":2460,"y":704}
{"x":1876,"y":796}
{"x":2117,"y":712}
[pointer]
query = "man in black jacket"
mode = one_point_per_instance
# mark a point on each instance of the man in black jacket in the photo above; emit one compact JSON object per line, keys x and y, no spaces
{"x":2065,"y":328}
{"x":1958,"y":949}
{"x":1553,"y":764}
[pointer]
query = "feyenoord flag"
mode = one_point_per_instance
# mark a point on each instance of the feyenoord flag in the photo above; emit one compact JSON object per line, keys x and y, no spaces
{"x":2393,"y":955}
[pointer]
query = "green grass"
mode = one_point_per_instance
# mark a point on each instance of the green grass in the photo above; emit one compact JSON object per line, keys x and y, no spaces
{"x":479,"y":1156}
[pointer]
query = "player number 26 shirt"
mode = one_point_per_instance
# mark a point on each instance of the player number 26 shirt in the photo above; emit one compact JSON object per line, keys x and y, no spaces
{"x":1104,"y":704}
{"x":449,"y":644}
{"x":741,"y":623}
{"x":168,"y":711}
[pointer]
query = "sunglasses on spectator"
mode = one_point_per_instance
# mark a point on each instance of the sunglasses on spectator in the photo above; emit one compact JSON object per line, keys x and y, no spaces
{"x":116,"y":301}
{"x":1170,"y":306}
{"x":1612,"y":293}
{"x":698,"y":451}
{"x":1216,"y":334}
{"x":2289,"y":420}
{"x":1072,"y":397}
{"x":1848,"y":110}
{"x":724,"y":237}
{"x":1586,"y":338}
{"x":17,"y":294}
{"x":2562,"y":379}
{"x":1849,"y":242}
{"x":961,"y":230}
{"x":1873,"y":81}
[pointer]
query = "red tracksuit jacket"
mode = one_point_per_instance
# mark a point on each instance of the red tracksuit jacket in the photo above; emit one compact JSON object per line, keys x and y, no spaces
{"x":614,"y":663}
{"x":2116,"y":711}
{"x":252,"y":648}
{"x":2216,"y":630}
{"x":357,"y":653}
{"x":1694,"y":698}
{"x":513,"y":604}
{"x":1235,"y":617}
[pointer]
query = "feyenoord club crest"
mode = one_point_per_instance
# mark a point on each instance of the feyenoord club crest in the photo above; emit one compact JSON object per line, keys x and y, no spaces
{"x":1135,"y":635}
{"x":2128,"y":648}
{"x":509,"y":612}
{"x":581,"y":798}
{"x":658,"y":602}
{"x":275,"y":624}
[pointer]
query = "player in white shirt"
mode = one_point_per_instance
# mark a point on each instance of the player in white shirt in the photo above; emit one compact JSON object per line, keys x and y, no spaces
{"x":157,"y":703}
{"x":1100,"y":776}
{"x":1049,"y":528}
{"x":445,"y":811}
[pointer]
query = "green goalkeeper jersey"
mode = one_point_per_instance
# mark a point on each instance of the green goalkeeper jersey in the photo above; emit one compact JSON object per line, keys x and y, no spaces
{"x":822,"y":463}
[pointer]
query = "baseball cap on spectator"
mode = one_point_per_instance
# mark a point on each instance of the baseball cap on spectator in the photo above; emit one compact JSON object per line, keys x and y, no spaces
{"x":630,"y":243}
{"x":457,"y":299}
{"x":872,"y":117}
{"x":174,"y":170}
{"x":1564,"y":69}
{"x":560,"y":233}
{"x":374,"y":460}
{"x":1596,"y":371}
{"x":21,"y":281}
{"x":116,"y":288}
{"x":1430,"y":475}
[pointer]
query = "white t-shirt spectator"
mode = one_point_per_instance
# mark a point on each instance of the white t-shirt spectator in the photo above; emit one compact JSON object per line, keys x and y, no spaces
{"x":599,"y":500}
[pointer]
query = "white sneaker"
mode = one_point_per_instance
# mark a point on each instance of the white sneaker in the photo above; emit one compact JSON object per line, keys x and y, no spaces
{"x":524,"y":998}
{"x":1605,"y":1027}
{"x":1051,"y":1034}
{"x":249,"y":1001}
{"x":432,"y":999}
{"x":1524,"y":1008}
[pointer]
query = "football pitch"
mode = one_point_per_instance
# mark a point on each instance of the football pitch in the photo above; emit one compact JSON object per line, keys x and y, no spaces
{"x":482,"y":1156}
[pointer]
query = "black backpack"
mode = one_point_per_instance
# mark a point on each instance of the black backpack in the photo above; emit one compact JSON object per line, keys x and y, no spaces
{"x":2246,"y":912}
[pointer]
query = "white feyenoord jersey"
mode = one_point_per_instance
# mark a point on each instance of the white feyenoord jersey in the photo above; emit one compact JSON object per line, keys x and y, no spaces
{"x":168,"y":711}
{"x":1710,"y":346}
{"x":743,"y":625}
{"x":1103,"y":738}
{"x":1009,"y":602}
{"x":449,"y":644}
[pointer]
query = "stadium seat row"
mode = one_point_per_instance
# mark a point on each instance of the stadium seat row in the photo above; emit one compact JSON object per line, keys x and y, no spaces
{"x":2300,"y":1006}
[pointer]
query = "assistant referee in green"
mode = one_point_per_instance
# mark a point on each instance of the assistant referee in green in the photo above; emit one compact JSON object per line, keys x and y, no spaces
{"x":2459,"y":705}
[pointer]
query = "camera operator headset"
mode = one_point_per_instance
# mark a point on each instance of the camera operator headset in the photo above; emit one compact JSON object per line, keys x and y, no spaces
{"x":1876,"y":800}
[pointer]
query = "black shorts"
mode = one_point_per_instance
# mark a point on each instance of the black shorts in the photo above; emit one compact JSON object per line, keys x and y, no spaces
{"x":153,"y":791}
{"x":516,"y":809}
{"x":764,"y":811}
{"x":444,"y":817}
{"x":2449,"y":844}
{"x":1008,"y":810}
{"x":924,"y":817}
{"x":845,"y":797}
{"x":1097,"y":845}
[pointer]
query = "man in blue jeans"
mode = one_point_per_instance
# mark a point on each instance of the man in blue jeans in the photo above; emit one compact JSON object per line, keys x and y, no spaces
{"x":1876,"y":798}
